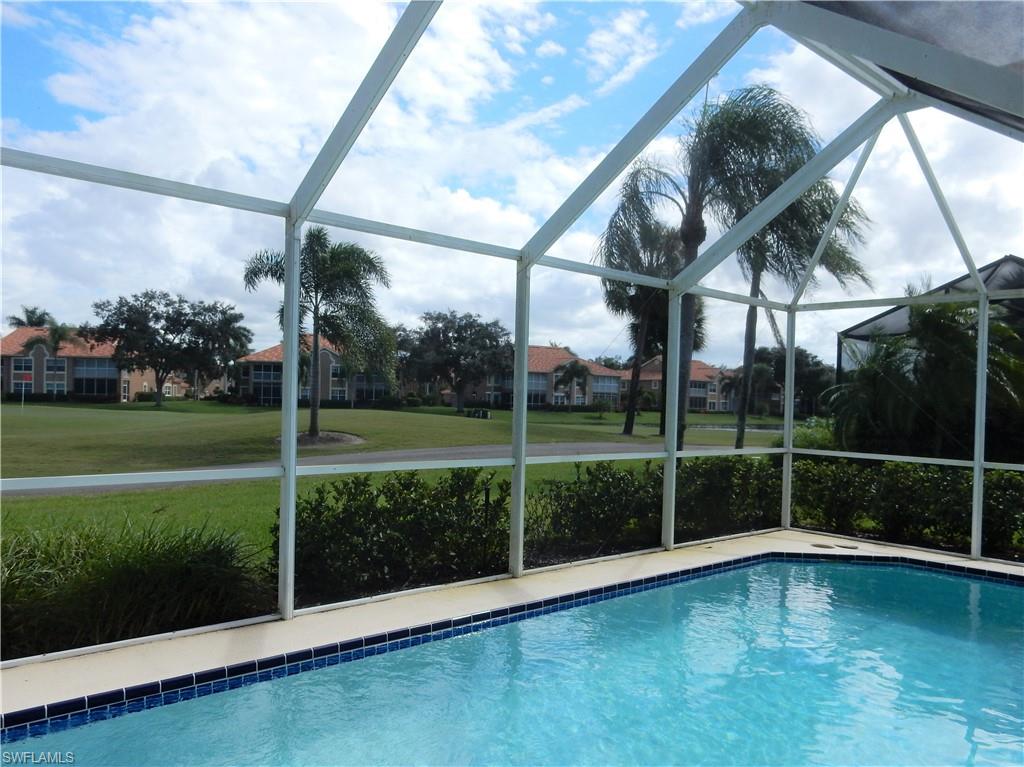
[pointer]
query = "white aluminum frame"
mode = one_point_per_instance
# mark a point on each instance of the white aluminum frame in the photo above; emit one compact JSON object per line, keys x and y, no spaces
{"x":848,"y":44}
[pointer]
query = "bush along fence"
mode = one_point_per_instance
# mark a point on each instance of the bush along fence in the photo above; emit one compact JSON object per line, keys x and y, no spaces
{"x":370,"y":534}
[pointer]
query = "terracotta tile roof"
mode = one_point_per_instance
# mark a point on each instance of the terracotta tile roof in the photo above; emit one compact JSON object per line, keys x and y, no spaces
{"x":547,"y":359}
{"x":276,"y":353}
{"x":13,"y":344}
{"x":651,"y":371}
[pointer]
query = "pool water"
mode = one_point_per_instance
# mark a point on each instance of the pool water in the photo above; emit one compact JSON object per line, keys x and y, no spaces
{"x":775,"y":664}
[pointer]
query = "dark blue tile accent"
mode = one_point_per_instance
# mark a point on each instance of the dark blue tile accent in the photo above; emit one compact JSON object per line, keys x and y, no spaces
{"x":501,"y":612}
{"x":480,"y":617}
{"x":65,"y":707}
{"x":441,"y":625}
{"x":177,"y":682}
{"x":265,"y":664}
{"x":241,"y":669}
{"x":423,"y":628}
{"x":398,"y":634}
{"x":24,"y":716}
{"x":105,"y":698}
{"x":298,"y":656}
{"x":141,"y":690}
{"x":351,"y":644}
{"x":462,"y":621}
{"x":374,"y":640}
{"x":211,"y":675}
{"x":516,"y":609}
{"x":324,"y":650}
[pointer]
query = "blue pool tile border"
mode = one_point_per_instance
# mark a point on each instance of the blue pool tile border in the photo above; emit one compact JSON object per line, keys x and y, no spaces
{"x":75,"y":712}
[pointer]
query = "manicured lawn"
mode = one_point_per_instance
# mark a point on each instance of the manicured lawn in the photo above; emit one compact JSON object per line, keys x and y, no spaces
{"x":57,"y":439}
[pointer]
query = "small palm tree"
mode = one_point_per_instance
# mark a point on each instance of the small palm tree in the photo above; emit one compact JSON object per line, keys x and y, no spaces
{"x":57,"y":334}
{"x":572,"y":374}
{"x":632,"y":244}
{"x":336,"y":296}
{"x":31,"y":317}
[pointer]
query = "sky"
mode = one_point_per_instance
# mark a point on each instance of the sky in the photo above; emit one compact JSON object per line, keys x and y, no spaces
{"x":499,"y":113}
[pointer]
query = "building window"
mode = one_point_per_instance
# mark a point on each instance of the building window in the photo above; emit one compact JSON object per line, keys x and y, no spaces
{"x":712,"y":387}
{"x":167,"y":390}
{"x":335,"y":372}
{"x":655,"y":384}
{"x":699,"y":386}
{"x":370,"y":388}
{"x":698,"y":403}
{"x":23,"y":365}
{"x":581,"y":399}
{"x":712,"y":405}
{"x":56,"y":365}
{"x":56,"y":387}
{"x":304,"y":393}
{"x":559,"y":398}
{"x":339,"y":392}
{"x":96,"y":377}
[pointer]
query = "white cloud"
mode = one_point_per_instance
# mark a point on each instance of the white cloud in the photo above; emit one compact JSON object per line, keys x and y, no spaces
{"x":549,"y":48}
{"x":191,"y":95}
{"x":619,"y":48}
{"x":697,"y":12}
{"x":547,"y":80}
{"x":14,"y":15}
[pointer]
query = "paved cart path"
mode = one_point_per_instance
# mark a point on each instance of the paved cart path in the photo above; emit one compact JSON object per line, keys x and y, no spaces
{"x":458,"y":453}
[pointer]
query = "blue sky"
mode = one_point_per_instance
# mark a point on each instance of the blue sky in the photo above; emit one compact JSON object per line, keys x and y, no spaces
{"x":500,"y":112}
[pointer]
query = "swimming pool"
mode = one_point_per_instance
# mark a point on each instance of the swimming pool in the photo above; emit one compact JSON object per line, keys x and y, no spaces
{"x":775,"y":663}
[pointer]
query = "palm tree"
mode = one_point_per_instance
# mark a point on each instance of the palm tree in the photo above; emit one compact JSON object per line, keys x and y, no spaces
{"x":646,"y":246}
{"x":734,"y":153}
{"x":31,"y":317}
{"x":336,"y":296}
{"x":57,"y":334}
{"x":572,"y":374}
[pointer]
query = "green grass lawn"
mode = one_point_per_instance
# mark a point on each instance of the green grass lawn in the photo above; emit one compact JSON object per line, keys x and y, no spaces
{"x":57,"y":439}
{"x":75,"y":439}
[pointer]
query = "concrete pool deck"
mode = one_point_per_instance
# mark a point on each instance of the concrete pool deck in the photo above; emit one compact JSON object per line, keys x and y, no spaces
{"x":48,"y":681}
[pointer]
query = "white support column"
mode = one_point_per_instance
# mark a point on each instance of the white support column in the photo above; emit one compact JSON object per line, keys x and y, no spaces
{"x":980,"y":407}
{"x":671,"y":405}
{"x":833,"y":222}
{"x":289,"y":421}
{"x":517,"y":521}
{"x":816,"y":168}
{"x":940,"y":200}
{"x":788,"y":416}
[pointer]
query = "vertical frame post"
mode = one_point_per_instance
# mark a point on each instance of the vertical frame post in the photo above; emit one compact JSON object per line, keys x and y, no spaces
{"x":289,"y":420}
{"x":519,"y":406}
{"x":788,"y":416}
{"x":980,"y":407}
{"x":671,"y":405}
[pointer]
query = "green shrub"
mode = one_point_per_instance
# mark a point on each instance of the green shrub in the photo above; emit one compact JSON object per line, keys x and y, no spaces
{"x":813,"y":434}
{"x":355,"y":537}
{"x":724,"y":495}
{"x":1003,"y":522}
{"x":602,"y":510}
{"x":830,"y":495}
{"x":72,"y":587}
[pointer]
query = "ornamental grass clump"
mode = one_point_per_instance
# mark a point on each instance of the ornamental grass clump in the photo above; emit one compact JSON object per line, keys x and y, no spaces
{"x":73,"y":587}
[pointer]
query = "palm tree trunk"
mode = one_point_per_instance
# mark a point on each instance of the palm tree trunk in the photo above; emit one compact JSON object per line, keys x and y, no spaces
{"x":689,"y":318}
{"x":664,"y":379}
{"x":314,"y":380}
{"x":634,"y":379}
{"x":749,"y":341}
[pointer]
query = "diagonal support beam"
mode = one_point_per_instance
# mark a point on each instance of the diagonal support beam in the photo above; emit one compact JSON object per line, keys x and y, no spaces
{"x":706,"y":66}
{"x":840,"y":147}
{"x":833,"y":222}
{"x":940,"y":200}
{"x":407,"y":32}
{"x":996,"y":87}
